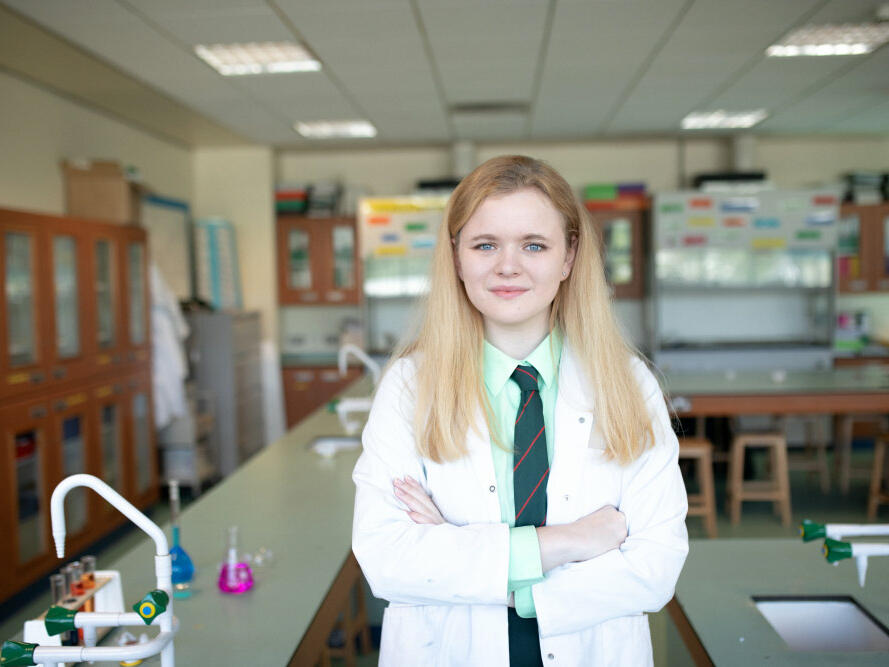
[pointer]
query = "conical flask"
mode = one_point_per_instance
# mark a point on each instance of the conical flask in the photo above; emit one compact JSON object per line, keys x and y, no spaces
{"x":235,"y":575}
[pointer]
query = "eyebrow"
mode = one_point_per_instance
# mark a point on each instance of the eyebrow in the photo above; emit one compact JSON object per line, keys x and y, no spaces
{"x":489,"y":237}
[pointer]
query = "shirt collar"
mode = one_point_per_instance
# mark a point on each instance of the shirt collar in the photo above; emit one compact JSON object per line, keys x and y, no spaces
{"x":499,"y":366}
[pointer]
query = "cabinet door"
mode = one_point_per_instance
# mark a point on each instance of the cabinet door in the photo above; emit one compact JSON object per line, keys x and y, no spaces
{"x":853,"y":258}
{"x":134,"y":278}
{"x":300,"y":260}
{"x":23,"y":348}
{"x":621,"y":234}
{"x":71,"y":437}
{"x":109,"y":409}
{"x":69,"y":312}
{"x":343,"y":270}
{"x":141,"y":458}
{"x":880,"y":226}
{"x":106,"y":298}
{"x":26,"y":481}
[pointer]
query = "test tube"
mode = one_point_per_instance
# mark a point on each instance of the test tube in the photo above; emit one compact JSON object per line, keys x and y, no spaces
{"x":89,"y":571}
{"x":57,"y":587}
{"x":77,"y":587}
{"x":68,"y":573}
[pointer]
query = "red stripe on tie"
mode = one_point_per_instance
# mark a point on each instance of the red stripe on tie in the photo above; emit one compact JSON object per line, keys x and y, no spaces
{"x":525,"y":406}
{"x":545,"y":473}
{"x":529,"y":448}
{"x":519,"y":368}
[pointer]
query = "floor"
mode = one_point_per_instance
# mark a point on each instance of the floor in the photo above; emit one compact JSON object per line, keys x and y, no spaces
{"x":757,"y":521}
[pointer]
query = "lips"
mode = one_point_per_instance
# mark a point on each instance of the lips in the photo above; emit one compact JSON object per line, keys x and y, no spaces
{"x":505,"y":292}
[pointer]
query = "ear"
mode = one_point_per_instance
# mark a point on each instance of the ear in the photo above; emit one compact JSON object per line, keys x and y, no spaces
{"x":456,"y":255}
{"x":570,"y":256}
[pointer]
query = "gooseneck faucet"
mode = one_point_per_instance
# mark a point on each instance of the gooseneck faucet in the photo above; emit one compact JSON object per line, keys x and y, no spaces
{"x":369,"y":363}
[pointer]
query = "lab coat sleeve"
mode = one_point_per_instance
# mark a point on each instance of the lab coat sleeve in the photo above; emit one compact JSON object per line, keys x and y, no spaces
{"x":404,"y":562}
{"x":640,"y":576}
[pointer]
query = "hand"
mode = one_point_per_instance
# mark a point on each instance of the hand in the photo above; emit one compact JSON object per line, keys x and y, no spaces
{"x":421,"y":509}
{"x":603,"y":530}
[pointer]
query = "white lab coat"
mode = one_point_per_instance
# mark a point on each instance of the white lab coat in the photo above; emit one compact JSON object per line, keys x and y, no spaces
{"x":446,"y":584}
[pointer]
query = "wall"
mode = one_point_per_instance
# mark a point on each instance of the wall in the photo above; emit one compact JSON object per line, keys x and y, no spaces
{"x":39,"y":128}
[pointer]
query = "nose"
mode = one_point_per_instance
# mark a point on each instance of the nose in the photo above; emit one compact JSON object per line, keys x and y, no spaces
{"x":507,"y":262}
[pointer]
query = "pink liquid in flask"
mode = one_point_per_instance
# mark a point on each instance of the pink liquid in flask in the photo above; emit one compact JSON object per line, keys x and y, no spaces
{"x":235,"y":576}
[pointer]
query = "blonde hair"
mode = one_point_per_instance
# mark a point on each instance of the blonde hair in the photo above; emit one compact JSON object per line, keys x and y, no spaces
{"x":448,"y":349}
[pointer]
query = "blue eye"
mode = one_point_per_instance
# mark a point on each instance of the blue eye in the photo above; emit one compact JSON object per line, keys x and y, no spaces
{"x":535,"y":247}
{"x":484,"y":246}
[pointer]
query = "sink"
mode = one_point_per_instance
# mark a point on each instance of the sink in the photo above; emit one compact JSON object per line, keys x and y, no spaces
{"x":826,"y":623}
{"x":328,"y":445}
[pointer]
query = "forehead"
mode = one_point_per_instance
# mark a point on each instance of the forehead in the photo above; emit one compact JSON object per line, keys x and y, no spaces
{"x":522,"y":212}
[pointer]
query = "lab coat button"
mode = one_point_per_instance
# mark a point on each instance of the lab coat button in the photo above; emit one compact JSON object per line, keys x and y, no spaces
{"x":492,"y":488}
{"x":567,"y":496}
{"x":582,"y":420}
{"x":550,"y":656}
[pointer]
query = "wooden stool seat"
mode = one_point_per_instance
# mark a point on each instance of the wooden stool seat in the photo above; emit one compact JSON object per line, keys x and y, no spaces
{"x":703,"y":503}
{"x":776,"y":489}
{"x":878,"y":496}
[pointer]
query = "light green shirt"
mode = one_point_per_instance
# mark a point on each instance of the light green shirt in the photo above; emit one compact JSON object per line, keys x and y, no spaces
{"x":525,"y":568}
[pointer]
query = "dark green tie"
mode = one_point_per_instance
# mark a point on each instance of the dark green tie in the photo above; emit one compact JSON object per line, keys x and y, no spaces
{"x":531,"y":463}
{"x":529,"y":475}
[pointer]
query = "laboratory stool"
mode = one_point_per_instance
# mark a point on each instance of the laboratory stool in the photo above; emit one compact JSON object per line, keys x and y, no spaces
{"x":703,"y":503}
{"x":351,"y":625}
{"x":814,"y":457}
{"x":845,"y":433}
{"x":877,"y":495}
{"x":775,"y":489}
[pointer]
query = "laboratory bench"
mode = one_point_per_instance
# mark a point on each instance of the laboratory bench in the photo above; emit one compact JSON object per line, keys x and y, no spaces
{"x":720,"y":623}
{"x":291,"y":501}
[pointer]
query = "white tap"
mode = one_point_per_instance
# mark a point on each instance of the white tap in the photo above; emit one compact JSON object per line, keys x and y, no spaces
{"x":369,"y":363}
{"x":163,"y":568}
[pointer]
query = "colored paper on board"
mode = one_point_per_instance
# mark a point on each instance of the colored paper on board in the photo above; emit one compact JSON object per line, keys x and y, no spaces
{"x":694,"y":240}
{"x":808,"y":235}
{"x":820,"y":218}
{"x":379,"y":220}
{"x":672,"y":207}
{"x":388,"y":250}
{"x":702,"y":221}
{"x":422,"y":243}
{"x":734,"y":222}
{"x":769,"y":243}
{"x":415,"y":226}
{"x":766,"y":223}
{"x":390,"y":237}
{"x":700,"y":202}
{"x":824,"y":200}
{"x":739,"y":205}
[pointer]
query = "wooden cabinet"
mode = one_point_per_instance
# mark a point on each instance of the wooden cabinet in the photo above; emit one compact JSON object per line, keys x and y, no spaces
{"x":75,"y":381}
{"x":863,"y":248}
{"x":317,"y":261}
{"x":623,"y":239}
{"x":307,"y":388}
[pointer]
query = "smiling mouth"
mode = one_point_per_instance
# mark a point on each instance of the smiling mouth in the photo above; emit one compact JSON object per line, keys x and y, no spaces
{"x":508,"y":292}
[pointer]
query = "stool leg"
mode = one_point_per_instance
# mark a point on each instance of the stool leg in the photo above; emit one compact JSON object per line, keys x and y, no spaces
{"x":736,"y":478}
{"x":708,"y":493}
{"x":364,"y":633}
{"x":876,"y":479}
{"x":844,"y":452}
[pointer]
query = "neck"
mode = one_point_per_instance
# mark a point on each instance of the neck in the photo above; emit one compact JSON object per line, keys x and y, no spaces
{"x":519,"y":341}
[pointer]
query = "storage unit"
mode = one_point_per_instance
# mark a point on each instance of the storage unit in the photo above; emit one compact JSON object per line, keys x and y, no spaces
{"x":863,"y":248}
{"x":306,"y":388}
{"x":624,"y":246}
{"x":225,"y":359}
{"x":317,"y":261}
{"x":75,"y":380}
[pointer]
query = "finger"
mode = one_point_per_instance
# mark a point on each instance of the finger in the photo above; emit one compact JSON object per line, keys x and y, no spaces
{"x":418,"y":517}
{"x":416,"y":492}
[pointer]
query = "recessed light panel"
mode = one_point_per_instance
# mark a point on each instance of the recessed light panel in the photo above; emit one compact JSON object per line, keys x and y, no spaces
{"x":721,"y":119}
{"x":257,"y":58}
{"x":336,"y":129}
{"x":848,"y":39}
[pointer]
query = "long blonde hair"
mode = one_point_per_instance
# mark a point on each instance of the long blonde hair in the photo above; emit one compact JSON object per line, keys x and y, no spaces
{"x":448,"y":349}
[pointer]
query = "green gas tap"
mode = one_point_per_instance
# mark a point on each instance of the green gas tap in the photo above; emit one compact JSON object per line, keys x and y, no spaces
{"x":17,"y":654}
{"x":152,"y":605}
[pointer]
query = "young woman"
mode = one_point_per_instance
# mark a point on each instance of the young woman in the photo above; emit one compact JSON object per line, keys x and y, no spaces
{"x":518,"y":498}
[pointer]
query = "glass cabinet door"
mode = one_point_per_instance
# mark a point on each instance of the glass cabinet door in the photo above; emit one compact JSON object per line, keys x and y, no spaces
{"x":299,"y":269}
{"x":136,"y":285}
{"x":109,"y":443}
{"x":142,"y":442}
{"x":65,"y":282}
{"x":29,"y":453}
{"x":73,"y":462}
{"x":618,"y":242}
{"x":850,"y":266}
{"x":343,"y":237}
{"x":20,"y":295}
{"x":883,"y":271}
{"x":105,"y":314}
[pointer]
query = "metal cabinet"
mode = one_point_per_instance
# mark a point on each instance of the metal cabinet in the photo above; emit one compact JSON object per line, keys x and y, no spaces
{"x":224,"y":351}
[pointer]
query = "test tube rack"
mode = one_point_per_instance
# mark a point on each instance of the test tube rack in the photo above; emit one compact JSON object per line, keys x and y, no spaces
{"x":107,"y":595}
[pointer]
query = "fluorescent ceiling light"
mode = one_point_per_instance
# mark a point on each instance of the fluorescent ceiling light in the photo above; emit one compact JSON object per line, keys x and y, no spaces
{"x":720,"y":119}
{"x":336,"y":129}
{"x":847,"y":39}
{"x":257,"y":58}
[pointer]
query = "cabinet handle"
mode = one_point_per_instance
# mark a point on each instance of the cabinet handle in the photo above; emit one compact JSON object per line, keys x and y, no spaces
{"x":59,"y":373}
{"x":60,"y":406}
{"x":38,"y":412}
{"x":37,"y":378}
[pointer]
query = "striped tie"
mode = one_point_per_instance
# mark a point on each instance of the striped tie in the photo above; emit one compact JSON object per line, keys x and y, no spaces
{"x":530,"y":472}
{"x":531,"y":467}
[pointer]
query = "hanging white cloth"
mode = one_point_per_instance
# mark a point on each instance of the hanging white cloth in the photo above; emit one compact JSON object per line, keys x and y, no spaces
{"x":169,"y":363}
